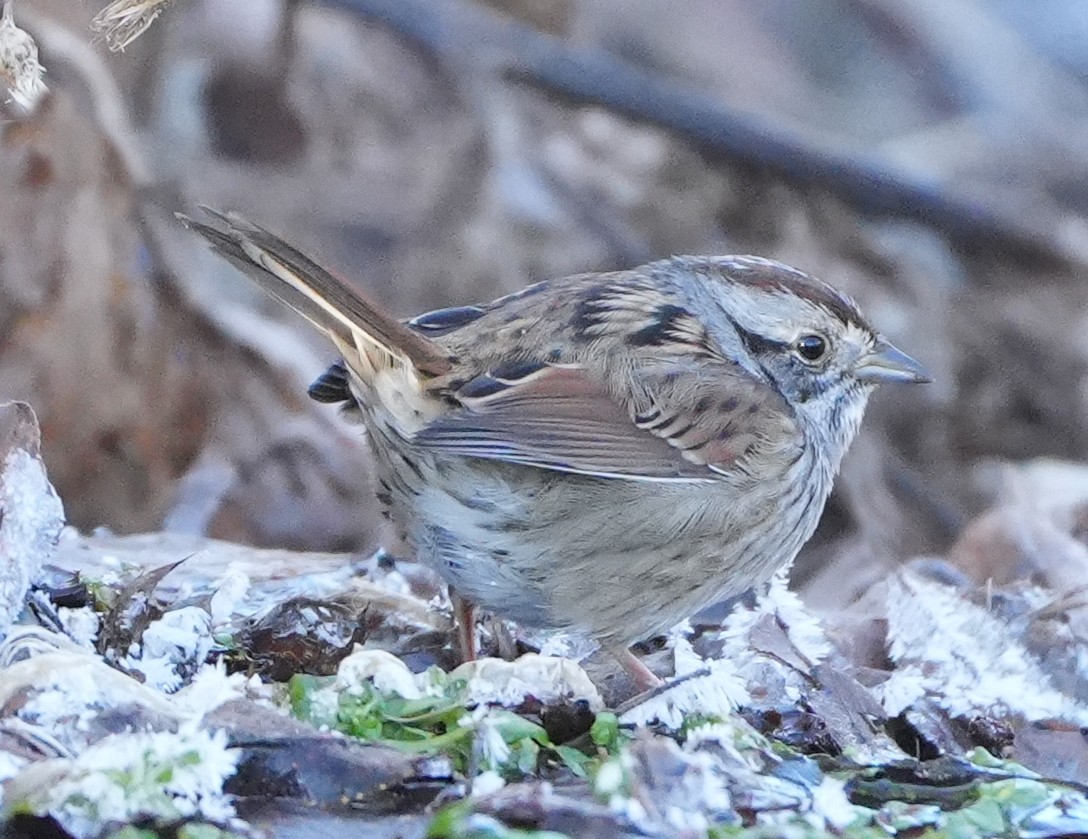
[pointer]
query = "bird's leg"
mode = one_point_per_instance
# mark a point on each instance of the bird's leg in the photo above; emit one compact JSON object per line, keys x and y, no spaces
{"x":643,"y":676}
{"x":464,"y":618}
{"x":506,"y":645}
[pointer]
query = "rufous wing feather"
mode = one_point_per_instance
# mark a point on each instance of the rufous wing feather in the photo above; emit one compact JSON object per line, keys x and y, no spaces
{"x":553,"y":418}
{"x":559,"y":417}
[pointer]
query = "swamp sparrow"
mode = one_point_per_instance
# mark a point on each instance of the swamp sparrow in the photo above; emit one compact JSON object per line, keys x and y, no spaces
{"x":605,"y":452}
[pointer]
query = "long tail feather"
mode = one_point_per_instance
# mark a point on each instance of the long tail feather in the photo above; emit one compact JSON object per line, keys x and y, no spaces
{"x":330,"y":304}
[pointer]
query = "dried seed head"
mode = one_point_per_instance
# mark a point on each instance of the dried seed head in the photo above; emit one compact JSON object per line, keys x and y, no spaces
{"x":20,"y":70}
{"x":123,"y":21}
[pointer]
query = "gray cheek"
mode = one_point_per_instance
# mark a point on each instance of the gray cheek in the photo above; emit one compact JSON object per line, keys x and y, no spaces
{"x":729,"y":342}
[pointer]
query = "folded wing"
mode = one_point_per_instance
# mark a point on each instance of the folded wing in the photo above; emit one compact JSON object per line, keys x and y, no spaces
{"x":559,"y":417}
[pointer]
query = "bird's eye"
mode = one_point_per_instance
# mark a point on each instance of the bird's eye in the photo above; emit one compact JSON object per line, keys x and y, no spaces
{"x":811,"y":347}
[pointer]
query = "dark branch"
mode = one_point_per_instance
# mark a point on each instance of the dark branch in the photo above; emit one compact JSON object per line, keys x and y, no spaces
{"x":466,"y":34}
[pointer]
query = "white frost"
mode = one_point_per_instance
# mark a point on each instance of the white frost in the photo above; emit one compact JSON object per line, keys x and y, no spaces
{"x":125,"y":776}
{"x":31,"y":519}
{"x":231,"y":591}
{"x":831,"y":804}
{"x":698,"y":794}
{"x":902,"y":689}
{"x":61,"y":693}
{"x":612,"y":784}
{"x":10,"y":765}
{"x":492,"y":750}
{"x":963,"y":657}
{"x":179,"y":639}
{"x":694,"y":796}
{"x":487,"y":783}
{"x":804,"y":630}
{"x":492,"y":681}
{"x":716,"y":693}
{"x":123,"y":21}
{"x":81,"y":624}
{"x":210,"y":688}
{"x":387,"y":672}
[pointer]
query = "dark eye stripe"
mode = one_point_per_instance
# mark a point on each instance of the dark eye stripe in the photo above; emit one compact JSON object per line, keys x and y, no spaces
{"x":758,"y":344}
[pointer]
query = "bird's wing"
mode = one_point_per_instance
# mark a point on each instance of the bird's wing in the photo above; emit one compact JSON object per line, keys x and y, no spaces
{"x":671,"y":422}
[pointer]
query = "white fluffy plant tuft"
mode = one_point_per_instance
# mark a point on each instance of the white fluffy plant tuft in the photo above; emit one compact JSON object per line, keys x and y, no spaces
{"x":123,"y":21}
{"x":20,"y":70}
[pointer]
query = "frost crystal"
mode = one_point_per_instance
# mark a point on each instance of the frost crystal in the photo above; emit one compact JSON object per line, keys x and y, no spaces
{"x":210,"y":688}
{"x":19,"y":66}
{"x":719,"y":733}
{"x":62,"y":694}
{"x":489,"y":743}
{"x":231,"y":590}
{"x":81,"y":624}
{"x":487,"y":783}
{"x":388,"y":673}
{"x":126,"y":776}
{"x":10,"y":765}
{"x":701,"y":792}
{"x":612,"y":783}
{"x":178,"y":641}
{"x":715,"y":692}
{"x":830,"y":803}
{"x":803,"y":629}
{"x":963,"y":657}
{"x":492,"y":681}
{"x":665,"y":790}
{"x":901,"y":690}
{"x":31,"y":518}
{"x":731,"y":739}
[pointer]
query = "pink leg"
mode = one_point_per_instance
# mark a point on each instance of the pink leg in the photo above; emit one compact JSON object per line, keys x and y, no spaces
{"x":642,"y":675}
{"x":464,"y":617}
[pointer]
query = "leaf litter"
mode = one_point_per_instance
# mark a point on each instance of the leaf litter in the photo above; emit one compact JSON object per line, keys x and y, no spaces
{"x":207,"y":685}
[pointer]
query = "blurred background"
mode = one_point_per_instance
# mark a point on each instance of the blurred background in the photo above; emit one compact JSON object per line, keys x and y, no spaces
{"x":925,"y":156}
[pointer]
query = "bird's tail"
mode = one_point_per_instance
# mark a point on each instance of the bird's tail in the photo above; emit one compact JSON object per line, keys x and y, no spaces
{"x":368,"y":338}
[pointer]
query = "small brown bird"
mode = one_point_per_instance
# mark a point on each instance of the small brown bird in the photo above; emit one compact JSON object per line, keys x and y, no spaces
{"x":605,"y":452}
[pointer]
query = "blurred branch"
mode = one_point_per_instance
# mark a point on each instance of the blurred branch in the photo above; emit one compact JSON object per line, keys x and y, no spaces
{"x":103,"y":95}
{"x":146,"y":381}
{"x":992,"y":67}
{"x":471,"y":36}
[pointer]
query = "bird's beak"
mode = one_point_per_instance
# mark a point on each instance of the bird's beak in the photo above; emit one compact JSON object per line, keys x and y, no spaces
{"x":886,"y":363}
